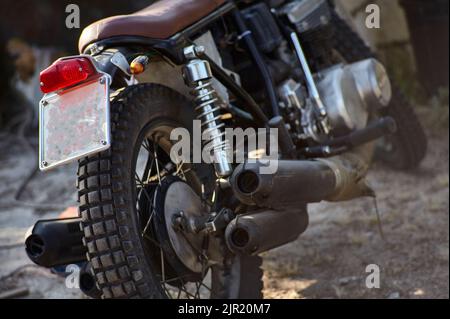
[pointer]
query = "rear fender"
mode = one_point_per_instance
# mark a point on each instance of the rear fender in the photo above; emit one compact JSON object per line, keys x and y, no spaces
{"x":115,"y":62}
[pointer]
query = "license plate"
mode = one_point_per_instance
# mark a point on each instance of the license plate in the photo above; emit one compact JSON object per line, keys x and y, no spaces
{"x":74,"y":123}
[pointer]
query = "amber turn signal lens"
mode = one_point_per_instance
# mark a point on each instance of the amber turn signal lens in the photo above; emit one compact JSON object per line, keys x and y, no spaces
{"x":139,"y":64}
{"x":226,"y":116}
{"x":136,"y":68}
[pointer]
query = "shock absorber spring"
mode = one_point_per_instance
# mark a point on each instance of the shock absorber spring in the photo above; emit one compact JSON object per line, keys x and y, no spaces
{"x":198,"y":75}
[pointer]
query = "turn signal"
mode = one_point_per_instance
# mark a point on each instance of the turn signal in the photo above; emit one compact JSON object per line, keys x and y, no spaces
{"x":139,"y":64}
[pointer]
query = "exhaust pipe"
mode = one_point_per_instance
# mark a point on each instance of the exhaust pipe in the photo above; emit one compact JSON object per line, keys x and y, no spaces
{"x":257,"y":232}
{"x":56,"y":242}
{"x":87,"y":282}
{"x":302,"y":181}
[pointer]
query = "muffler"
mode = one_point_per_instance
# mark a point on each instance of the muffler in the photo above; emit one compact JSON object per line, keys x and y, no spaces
{"x":87,"y":282}
{"x":303,"y":181}
{"x":257,"y":232}
{"x":56,"y":242}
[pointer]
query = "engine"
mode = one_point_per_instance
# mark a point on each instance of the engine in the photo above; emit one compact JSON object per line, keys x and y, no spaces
{"x":349,"y":93}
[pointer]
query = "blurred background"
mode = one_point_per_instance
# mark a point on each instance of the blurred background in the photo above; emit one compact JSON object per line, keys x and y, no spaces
{"x":326,"y":262}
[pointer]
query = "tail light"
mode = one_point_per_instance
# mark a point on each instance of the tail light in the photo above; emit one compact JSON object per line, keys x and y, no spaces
{"x":66,"y":72}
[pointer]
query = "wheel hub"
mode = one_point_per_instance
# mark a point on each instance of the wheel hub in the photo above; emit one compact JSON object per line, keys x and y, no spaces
{"x":182,"y":250}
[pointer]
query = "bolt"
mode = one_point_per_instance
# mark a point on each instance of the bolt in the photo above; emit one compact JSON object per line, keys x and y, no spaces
{"x":200,"y":50}
{"x":177,"y":221}
{"x":190,"y":52}
{"x":103,"y":142}
{"x":102,"y":80}
{"x":44,"y":163}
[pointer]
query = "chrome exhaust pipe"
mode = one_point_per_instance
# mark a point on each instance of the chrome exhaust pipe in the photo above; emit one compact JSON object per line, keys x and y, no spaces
{"x":258,"y":232}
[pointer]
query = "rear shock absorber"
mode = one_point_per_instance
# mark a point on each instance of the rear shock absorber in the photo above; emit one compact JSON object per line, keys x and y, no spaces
{"x":197,"y":74}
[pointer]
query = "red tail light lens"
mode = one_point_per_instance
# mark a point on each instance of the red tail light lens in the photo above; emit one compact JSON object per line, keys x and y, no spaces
{"x":66,"y":72}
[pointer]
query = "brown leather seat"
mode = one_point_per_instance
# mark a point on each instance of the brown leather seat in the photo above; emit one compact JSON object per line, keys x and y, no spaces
{"x":161,"y":20}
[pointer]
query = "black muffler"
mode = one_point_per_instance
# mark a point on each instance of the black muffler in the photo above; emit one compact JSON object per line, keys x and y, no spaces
{"x":294,"y":182}
{"x":297,"y":182}
{"x":87,"y":282}
{"x":283,"y":195}
{"x":257,"y":232}
{"x":56,"y":242}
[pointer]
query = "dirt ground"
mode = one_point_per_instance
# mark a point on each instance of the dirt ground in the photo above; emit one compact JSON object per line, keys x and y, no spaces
{"x":328,"y":261}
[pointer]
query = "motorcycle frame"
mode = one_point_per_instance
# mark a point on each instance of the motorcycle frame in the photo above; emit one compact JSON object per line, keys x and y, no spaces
{"x":172,"y":49}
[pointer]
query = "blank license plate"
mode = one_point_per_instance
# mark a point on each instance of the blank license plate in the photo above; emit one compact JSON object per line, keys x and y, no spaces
{"x":74,"y":124}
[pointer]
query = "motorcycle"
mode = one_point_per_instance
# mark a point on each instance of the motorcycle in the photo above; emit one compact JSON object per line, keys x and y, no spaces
{"x":153,"y":226}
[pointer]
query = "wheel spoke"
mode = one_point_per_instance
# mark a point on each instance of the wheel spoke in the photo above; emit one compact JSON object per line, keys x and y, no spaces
{"x":180,"y":170}
{"x":168,"y":281}
{"x":157,"y":162}
{"x":142,"y":187}
{"x":188,"y":294}
{"x":147,"y":226}
{"x":146,"y":145}
{"x":197,"y":290}
{"x":146,"y":236}
{"x":148,"y":170}
{"x":162,"y":265}
{"x":203,"y":284}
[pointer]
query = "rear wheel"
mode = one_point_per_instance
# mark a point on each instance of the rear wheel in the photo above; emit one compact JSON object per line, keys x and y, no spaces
{"x":407,"y":147}
{"x":128,"y":196}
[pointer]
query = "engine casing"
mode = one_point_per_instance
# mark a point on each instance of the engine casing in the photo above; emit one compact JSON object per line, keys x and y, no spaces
{"x":350,"y":94}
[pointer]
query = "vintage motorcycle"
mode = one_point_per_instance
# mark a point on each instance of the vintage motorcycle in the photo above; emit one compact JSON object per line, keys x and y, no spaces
{"x":150,"y":226}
